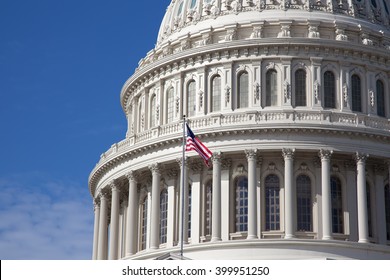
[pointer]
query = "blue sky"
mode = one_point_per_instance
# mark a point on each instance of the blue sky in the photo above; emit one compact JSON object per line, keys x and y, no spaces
{"x":62,"y":66}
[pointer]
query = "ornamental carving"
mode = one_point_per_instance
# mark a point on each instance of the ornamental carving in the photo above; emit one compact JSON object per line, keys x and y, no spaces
{"x":132,"y":176}
{"x":177,"y":105}
{"x":201,"y":94}
{"x":316,"y":88}
{"x":360,"y":157}
{"x":288,"y":153}
{"x":270,"y":65}
{"x":251,"y":154}
{"x":372,"y":98}
{"x":226,"y":163}
{"x":340,"y":35}
{"x":287,"y":91}
{"x":227,"y":95}
{"x":345,"y":94}
{"x":256,"y":91}
{"x":257,"y":32}
{"x":325,"y":154}
{"x":284,"y":31}
{"x":313,"y":32}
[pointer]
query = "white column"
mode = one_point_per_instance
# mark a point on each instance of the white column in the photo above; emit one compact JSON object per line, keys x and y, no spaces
{"x":258,"y":195}
{"x":362,"y":197}
{"x":195,"y":204}
{"x":155,"y":217}
{"x":103,"y":230}
{"x":114,"y":225}
{"x":132,"y":214}
{"x":216,"y":204}
{"x":252,"y":196}
{"x":288,"y":155}
{"x":96,"y":208}
{"x":326,"y":194}
{"x":225,"y":199}
{"x":350,"y":167}
{"x":380,"y":205}
{"x":172,"y":205}
{"x":183,"y":215}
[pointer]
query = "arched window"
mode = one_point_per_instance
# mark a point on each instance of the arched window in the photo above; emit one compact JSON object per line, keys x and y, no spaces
{"x":300,"y":87}
{"x":216,"y":93}
{"x":144,"y":222}
{"x":272,"y":203}
{"x":163,"y":216}
{"x":380,"y":98}
{"x":271,"y":85}
{"x":243,"y":90}
{"x":153,"y":111}
{"x":329,"y":90}
{"x":304,"y":203}
{"x":387,"y":207}
{"x":337,"y":205}
{"x":191,"y":99}
{"x":180,"y":10}
{"x":170,"y":105}
{"x":242,"y":204}
{"x":369,"y":211}
{"x":193,"y":4}
{"x":208,"y":207}
{"x":356,"y":93}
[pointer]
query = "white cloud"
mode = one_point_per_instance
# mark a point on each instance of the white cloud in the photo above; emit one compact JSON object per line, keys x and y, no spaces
{"x":41,"y":218}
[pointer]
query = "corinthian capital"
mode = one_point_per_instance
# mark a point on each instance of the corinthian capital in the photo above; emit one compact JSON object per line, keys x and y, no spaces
{"x":325,"y":154}
{"x":132,"y":176}
{"x":360,"y":157}
{"x":155,"y":168}
{"x":216,"y":157}
{"x":288,"y":153}
{"x":251,"y":154}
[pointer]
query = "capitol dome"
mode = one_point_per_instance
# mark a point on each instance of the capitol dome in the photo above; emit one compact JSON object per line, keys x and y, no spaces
{"x":293,"y":100}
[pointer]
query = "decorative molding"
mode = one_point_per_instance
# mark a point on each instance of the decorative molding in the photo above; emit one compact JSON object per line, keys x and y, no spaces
{"x":325,"y":154}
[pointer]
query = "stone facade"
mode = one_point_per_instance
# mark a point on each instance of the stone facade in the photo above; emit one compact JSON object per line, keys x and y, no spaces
{"x":292,"y":98}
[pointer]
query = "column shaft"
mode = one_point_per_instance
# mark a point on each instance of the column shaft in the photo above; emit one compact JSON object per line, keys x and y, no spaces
{"x":288,"y":155}
{"x":114,"y":225}
{"x":132,"y":210}
{"x":183,"y":210}
{"x":326,"y":195}
{"x":96,"y":231}
{"x":252,"y":195}
{"x":103,"y":230}
{"x":155,"y":217}
{"x":216,"y":199}
{"x":362,"y":198}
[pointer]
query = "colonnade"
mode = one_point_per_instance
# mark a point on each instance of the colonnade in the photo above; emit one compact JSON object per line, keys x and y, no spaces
{"x":106,"y":243}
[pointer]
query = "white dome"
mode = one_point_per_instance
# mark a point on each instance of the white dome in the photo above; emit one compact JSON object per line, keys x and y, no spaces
{"x":190,"y":16}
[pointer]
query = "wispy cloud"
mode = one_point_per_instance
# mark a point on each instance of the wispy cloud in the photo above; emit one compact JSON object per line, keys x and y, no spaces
{"x":42,"y":218}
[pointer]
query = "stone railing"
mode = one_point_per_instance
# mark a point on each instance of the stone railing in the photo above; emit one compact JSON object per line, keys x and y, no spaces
{"x":252,"y":120}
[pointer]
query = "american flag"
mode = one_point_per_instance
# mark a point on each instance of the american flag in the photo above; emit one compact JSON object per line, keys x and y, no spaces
{"x":194,"y":144}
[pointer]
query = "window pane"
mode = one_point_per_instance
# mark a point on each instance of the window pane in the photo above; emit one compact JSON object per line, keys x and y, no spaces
{"x":153,"y":112}
{"x":243,"y":90}
{"x":329,"y":90}
{"x":216,"y":94}
{"x":272,"y":206}
{"x":300,"y":88}
{"x":242,"y":204}
{"x":208,"y":208}
{"x":163,"y":216}
{"x":144,"y":223}
{"x":356,"y":94}
{"x":271,"y":88}
{"x":380,"y":96}
{"x":337,"y":205}
{"x":191,"y":99}
{"x":304,"y":204}
{"x":171,"y":105}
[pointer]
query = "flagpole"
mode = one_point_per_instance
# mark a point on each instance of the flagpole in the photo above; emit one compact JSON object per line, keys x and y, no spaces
{"x":183,"y":162}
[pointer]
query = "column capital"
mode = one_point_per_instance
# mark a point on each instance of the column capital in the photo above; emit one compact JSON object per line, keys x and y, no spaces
{"x":288,"y":153}
{"x":325,"y":154}
{"x":180,"y":161}
{"x":114,"y":186}
{"x":103,"y":195}
{"x":96,"y":204}
{"x":216,"y":157}
{"x":360,"y":157}
{"x":251,"y":154}
{"x":155,"y":168}
{"x":132,"y":176}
